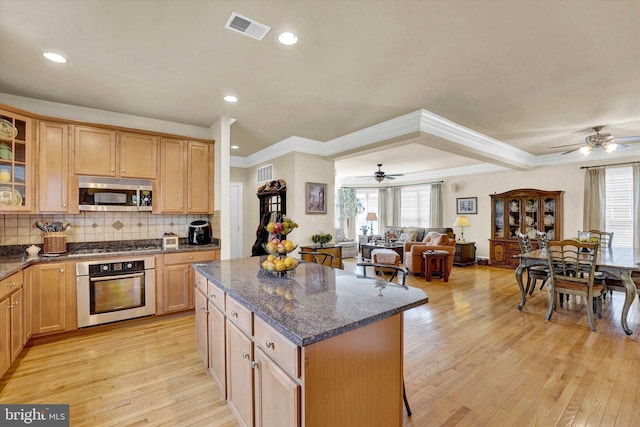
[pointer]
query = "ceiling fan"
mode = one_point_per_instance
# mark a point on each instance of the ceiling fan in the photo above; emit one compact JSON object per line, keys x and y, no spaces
{"x":380,"y":176}
{"x":606,"y":141}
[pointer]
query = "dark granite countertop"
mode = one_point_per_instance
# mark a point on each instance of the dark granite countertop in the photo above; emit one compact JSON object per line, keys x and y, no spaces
{"x":12,"y":261}
{"x":314,"y":304}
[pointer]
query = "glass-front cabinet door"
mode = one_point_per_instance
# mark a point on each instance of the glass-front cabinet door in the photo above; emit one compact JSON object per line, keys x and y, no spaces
{"x":549,"y":217}
{"x":499,"y":218}
{"x":16,"y":147}
{"x":515,"y":217}
{"x":531,"y":214}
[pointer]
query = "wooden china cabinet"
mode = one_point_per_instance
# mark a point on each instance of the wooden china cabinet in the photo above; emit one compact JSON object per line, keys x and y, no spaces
{"x":525,"y":210}
{"x":16,"y":162}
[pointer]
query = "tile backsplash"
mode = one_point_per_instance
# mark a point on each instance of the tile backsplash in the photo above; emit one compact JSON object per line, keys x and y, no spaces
{"x":101,"y":226}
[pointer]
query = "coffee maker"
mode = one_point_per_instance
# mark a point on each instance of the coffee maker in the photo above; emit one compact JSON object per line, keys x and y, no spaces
{"x":199,"y":233}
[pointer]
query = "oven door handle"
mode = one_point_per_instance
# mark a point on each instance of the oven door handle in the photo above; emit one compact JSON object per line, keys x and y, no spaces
{"x":122,"y":276}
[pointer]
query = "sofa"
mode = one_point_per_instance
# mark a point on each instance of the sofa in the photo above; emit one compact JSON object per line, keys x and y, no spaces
{"x":441,"y":239}
{"x":349,"y":246}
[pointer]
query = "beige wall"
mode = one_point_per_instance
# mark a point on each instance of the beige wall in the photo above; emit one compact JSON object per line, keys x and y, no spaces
{"x":569,"y":178}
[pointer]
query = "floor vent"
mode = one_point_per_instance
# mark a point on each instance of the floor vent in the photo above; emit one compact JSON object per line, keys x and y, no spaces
{"x":247,"y":26}
{"x":264,"y":174}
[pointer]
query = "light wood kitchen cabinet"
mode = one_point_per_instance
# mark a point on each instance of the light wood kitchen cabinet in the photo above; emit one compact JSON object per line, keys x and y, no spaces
{"x":17,"y":163}
{"x":186,"y":177}
{"x":216,"y":341}
{"x":175,"y":284}
{"x":13,"y":313}
{"x":53,"y":288}
{"x":202,"y":325}
{"x":239,"y":374}
{"x":277,"y":396}
{"x":122,"y":154}
{"x":55,"y":184}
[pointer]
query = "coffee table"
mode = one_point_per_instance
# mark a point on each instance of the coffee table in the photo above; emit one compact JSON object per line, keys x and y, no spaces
{"x":368,"y":247}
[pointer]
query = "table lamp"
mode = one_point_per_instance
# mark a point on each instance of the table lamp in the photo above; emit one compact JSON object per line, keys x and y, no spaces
{"x":371,"y":216}
{"x":462,"y":222}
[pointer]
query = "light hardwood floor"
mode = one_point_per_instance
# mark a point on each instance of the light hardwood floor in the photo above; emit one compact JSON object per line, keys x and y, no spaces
{"x":471,"y":358}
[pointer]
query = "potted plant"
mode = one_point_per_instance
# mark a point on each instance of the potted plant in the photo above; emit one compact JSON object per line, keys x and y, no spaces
{"x":364,"y":229}
{"x":321,"y":238}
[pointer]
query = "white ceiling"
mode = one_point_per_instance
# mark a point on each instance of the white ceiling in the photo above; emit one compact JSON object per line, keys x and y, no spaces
{"x":527,"y":75}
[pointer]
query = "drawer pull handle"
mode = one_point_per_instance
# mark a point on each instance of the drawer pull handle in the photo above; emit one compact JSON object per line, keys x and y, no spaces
{"x":245,"y":355}
{"x":270,"y":344}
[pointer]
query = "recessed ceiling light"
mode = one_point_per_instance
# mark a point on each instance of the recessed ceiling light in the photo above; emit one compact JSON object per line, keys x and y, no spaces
{"x":288,"y":38}
{"x":230,"y":98}
{"x":51,"y":56}
{"x":235,"y":147}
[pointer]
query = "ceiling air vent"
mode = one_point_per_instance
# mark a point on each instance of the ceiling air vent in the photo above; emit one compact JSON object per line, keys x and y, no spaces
{"x":247,"y":26}
{"x":264,"y":174}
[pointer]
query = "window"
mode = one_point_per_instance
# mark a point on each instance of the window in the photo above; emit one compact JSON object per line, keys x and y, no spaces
{"x":619,"y":205}
{"x":415,"y":206}
{"x":368,"y":199}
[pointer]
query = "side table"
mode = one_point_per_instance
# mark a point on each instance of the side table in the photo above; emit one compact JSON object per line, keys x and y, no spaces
{"x":465,"y":254}
{"x":436,"y":261}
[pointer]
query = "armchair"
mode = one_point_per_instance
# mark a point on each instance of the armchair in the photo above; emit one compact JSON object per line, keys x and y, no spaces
{"x":434,"y":241}
{"x":349,"y":246}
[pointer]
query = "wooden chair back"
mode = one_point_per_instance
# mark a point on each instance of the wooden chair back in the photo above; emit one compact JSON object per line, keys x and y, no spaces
{"x":606,"y":238}
{"x":322,"y":258}
{"x":525,"y":243}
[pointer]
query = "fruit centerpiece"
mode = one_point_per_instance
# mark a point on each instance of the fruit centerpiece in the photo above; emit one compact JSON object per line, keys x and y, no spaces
{"x":278,"y":248}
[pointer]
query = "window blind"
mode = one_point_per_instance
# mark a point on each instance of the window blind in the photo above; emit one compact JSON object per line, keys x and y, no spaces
{"x":619,"y":205}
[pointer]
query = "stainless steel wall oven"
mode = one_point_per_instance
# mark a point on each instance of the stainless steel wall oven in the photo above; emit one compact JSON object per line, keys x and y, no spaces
{"x":112,"y":290}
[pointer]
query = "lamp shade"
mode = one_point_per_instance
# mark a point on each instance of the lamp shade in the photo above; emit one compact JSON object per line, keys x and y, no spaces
{"x":371,"y":216}
{"x":461,"y":221}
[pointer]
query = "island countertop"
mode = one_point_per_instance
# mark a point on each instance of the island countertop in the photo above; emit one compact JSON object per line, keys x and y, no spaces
{"x":316,"y":303}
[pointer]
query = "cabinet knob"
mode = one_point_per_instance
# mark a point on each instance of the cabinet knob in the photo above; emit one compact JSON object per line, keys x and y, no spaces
{"x":122,"y":170}
{"x":203,"y":308}
{"x":234,"y":314}
{"x":113,"y":170}
{"x":255,"y":364}
{"x":270,"y":344}
{"x":64,"y":205}
{"x":245,"y":355}
{"x":212,"y":296}
{"x":62,"y":270}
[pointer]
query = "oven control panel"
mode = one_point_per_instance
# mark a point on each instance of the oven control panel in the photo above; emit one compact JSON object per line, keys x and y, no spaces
{"x":115,"y":267}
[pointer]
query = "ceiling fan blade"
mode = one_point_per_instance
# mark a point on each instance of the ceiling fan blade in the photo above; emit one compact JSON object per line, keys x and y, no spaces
{"x":390,"y":177}
{"x":571,"y":151}
{"x":628,"y":139}
{"x":566,"y":145}
{"x":395,"y":174}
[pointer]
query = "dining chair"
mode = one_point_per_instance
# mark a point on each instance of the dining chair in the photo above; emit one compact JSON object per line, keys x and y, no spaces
{"x":605,"y":238}
{"x":534,"y":272}
{"x":322,"y":258}
{"x":573,"y":273}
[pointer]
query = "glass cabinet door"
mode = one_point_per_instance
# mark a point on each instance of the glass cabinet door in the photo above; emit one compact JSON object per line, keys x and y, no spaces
{"x":531,"y":217}
{"x":499,"y":219}
{"x":549,"y":218}
{"x":515,"y":219}
{"x":14,"y":139}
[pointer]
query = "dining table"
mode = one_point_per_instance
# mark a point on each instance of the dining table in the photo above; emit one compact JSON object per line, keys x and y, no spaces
{"x":615,"y":262}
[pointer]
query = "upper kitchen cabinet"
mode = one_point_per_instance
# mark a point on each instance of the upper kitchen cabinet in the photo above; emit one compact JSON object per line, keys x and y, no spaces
{"x":110,"y":153}
{"x":16,"y":162}
{"x":55,"y":185}
{"x":186,"y":177}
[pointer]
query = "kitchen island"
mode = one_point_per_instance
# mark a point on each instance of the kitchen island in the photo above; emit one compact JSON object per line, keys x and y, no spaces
{"x":322,"y":347}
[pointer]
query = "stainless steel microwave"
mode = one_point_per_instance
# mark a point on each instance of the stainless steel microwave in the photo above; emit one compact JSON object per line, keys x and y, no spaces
{"x":111,"y":194}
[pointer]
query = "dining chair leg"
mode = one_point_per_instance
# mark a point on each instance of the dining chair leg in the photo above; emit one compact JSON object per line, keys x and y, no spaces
{"x":592,"y":322}
{"x":404,"y":397}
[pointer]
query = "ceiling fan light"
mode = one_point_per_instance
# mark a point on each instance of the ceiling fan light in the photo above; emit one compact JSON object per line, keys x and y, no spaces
{"x":610,"y":148}
{"x":379,"y":178}
{"x":585,"y":150}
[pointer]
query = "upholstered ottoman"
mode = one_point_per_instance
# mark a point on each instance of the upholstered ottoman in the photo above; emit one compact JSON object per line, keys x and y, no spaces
{"x":385,"y":256}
